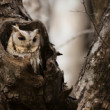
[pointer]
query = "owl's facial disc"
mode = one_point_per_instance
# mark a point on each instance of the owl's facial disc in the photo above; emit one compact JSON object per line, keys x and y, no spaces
{"x":26,"y":41}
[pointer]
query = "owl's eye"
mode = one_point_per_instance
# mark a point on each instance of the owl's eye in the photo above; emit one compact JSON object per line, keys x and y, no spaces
{"x":21,"y":38}
{"x":34,"y":40}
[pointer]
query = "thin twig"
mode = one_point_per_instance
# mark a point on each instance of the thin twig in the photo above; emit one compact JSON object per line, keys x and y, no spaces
{"x":75,"y":36}
{"x":80,"y":12}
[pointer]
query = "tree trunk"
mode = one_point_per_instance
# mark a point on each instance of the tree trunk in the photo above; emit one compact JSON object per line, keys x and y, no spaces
{"x":20,"y":87}
{"x":93,"y":86}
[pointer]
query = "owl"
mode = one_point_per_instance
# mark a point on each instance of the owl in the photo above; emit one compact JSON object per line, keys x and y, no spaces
{"x":25,"y":44}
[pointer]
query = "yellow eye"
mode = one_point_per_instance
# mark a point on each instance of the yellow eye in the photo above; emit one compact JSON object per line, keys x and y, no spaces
{"x":21,"y":38}
{"x":35,"y":39}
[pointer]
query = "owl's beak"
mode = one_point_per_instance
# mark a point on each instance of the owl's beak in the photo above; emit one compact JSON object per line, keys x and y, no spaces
{"x":28,"y":46}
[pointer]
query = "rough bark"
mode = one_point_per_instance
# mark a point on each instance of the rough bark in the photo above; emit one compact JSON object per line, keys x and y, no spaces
{"x":20,"y":88}
{"x":93,"y":86}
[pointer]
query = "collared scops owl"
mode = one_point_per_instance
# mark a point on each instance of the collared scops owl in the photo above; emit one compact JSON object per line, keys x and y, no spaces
{"x":25,"y":44}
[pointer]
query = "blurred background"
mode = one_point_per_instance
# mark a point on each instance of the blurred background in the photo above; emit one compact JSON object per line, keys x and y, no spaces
{"x":68,"y":27}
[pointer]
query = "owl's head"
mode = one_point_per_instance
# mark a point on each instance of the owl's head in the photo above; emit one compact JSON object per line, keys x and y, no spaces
{"x":25,"y":41}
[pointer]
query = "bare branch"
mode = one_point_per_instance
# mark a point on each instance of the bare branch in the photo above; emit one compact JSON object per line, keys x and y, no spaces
{"x":77,"y":11}
{"x":75,"y":36}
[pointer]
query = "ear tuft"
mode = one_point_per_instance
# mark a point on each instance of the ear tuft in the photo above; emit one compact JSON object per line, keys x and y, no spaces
{"x":16,"y":28}
{"x":36,"y":31}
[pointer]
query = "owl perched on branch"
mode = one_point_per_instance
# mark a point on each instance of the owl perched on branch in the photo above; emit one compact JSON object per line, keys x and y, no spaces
{"x":25,"y":44}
